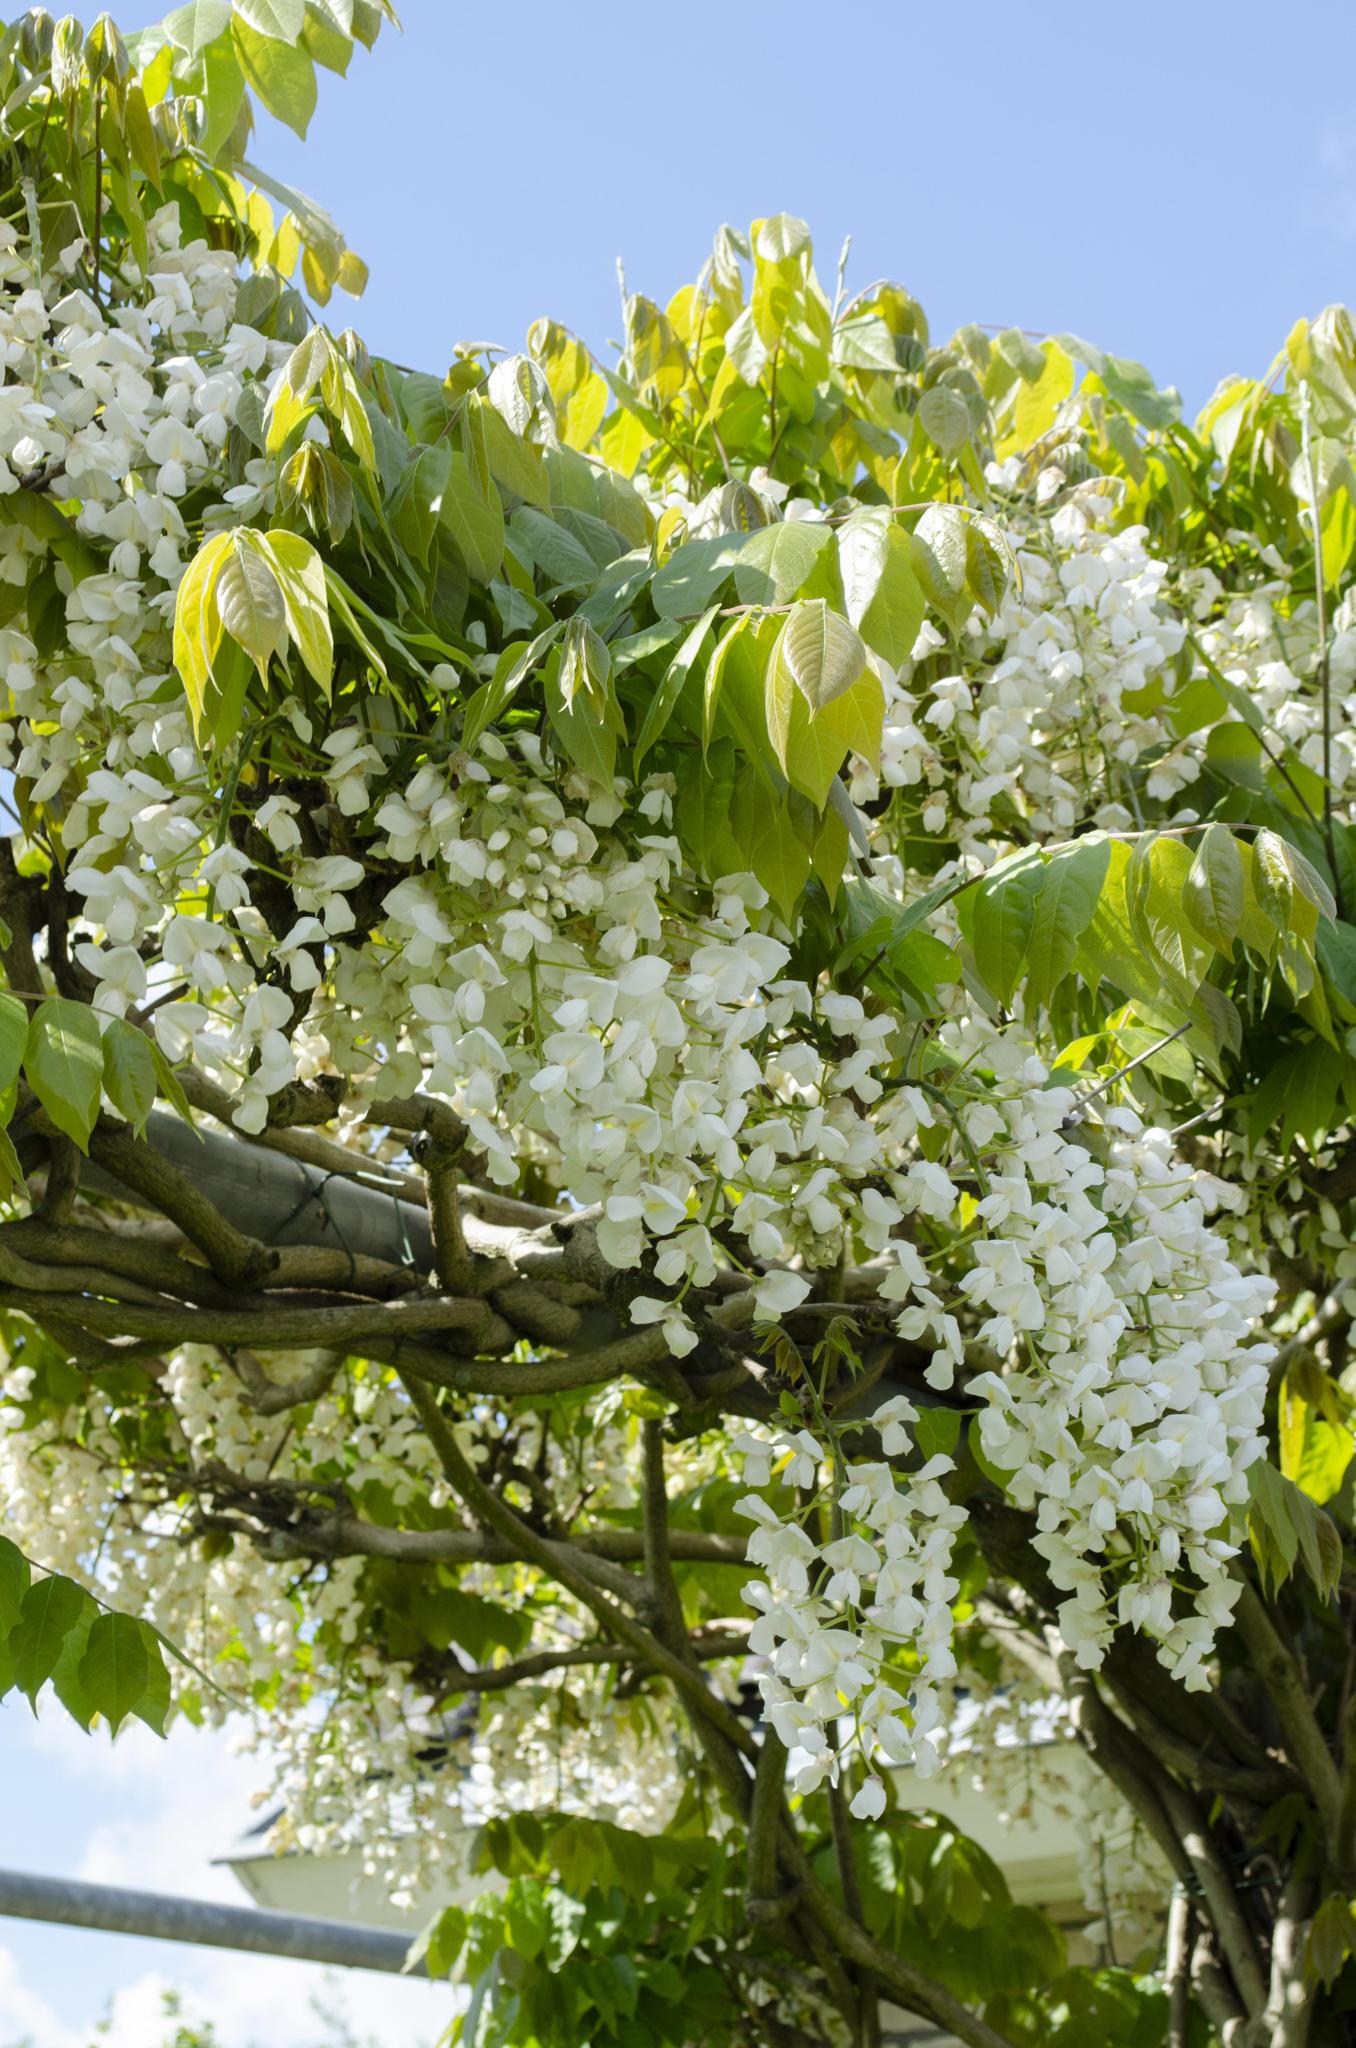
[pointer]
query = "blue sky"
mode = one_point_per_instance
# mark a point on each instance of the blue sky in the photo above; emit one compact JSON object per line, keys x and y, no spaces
{"x":1176,"y":182}
{"x":153,"y":1815}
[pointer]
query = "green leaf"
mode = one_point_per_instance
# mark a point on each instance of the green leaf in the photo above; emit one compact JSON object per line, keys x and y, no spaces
{"x":115,"y":1668}
{"x":809,"y":753}
{"x":11,"y":1167}
{"x":858,"y":717}
{"x":585,"y":667}
{"x":49,"y":1611}
{"x":65,"y":1680}
{"x":492,"y":699}
{"x":64,"y":1065}
{"x":775,"y":564}
{"x":864,"y":342}
{"x":1039,"y":401}
{"x":733,"y":696}
{"x":195,"y":26}
{"x":1332,"y":1938}
{"x":283,"y":19}
{"x":1070,"y":885}
{"x":250,"y":600}
{"x":1272,"y":882}
{"x":939,"y":558}
{"x":15,"y":1579}
{"x":301,"y":578}
{"x":556,"y":553}
{"x":588,"y":723}
{"x":170,"y":1085}
{"x":475,"y":519}
{"x":129,"y":1072}
{"x":820,"y":652}
{"x":441,"y":1942}
{"x":515,"y":464}
{"x":693,"y":573}
{"x":281,"y":74}
{"x":197,"y":622}
{"x":661,"y":705}
{"x":1003,"y":915}
{"x":1275,"y":857}
{"x":415,"y":508}
{"x":13,"y":1039}
{"x":154,"y":1704}
{"x":885,"y":600}
{"x":765,"y":829}
{"x":325,"y":36}
{"x":986,"y":567}
{"x":937,"y":1432}
{"x":223,"y":95}
{"x":1286,"y":1525}
{"x":1212,"y":894}
{"x":945,"y":419}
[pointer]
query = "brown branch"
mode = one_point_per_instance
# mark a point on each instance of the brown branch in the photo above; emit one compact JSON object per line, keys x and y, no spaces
{"x":16,"y":911}
{"x":670,"y":1623}
{"x":1216,"y":1995}
{"x":455,"y":1678}
{"x":1175,"y":1822}
{"x":1177,"y":1968}
{"x":1109,"y":1744}
{"x":63,"y":1181}
{"x":1289,"y":2009}
{"x":274,"y":1397}
{"x":868,"y":2014}
{"x":257,"y":1321}
{"x":452,"y":1259}
{"x":46,"y":1281}
{"x":762,"y":1896}
{"x":348,"y":1535}
{"x":1258,"y":1786}
{"x":496,"y":1515}
{"x":312,"y":1537}
{"x":155,"y":1266}
{"x":234,"y":1258}
{"x":307,"y":1146}
{"x":1284,"y":1685}
{"x":1230,"y":1923}
{"x":910,"y":1986}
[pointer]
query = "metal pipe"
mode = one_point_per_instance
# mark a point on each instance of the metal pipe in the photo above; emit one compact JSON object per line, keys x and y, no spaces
{"x":281,"y":1200}
{"x":205,"y":1925}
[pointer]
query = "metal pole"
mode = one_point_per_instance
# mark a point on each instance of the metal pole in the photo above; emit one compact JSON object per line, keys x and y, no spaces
{"x":283,"y":1201}
{"x":205,"y":1925}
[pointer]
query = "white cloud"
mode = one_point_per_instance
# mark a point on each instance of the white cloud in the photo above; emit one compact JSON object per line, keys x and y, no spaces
{"x":25,"y":2015}
{"x":255,"y":2002}
{"x":192,"y":1799}
{"x":155,"y":1813}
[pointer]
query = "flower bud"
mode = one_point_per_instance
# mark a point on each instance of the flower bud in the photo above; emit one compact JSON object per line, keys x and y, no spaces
{"x":35,"y":37}
{"x":68,"y":57}
{"x":106,"y":54}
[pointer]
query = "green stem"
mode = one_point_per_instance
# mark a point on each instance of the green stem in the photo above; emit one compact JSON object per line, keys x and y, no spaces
{"x":1324,"y":671}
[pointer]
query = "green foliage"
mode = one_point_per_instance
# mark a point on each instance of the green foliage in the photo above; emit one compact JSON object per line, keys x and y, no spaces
{"x":498,"y":546}
{"x":98,"y":1663}
{"x":1287,"y":1526}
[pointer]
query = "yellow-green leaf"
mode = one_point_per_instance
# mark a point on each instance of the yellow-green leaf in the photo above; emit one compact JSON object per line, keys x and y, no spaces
{"x":64,"y":1065}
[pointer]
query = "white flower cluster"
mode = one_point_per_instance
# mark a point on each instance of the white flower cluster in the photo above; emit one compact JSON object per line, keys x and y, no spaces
{"x":831,"y":1613}
{"x":546,"y":964}
{"x":1135,"y":1402}
{"x":1125,"y":1412}
{"x":1034,"y":720}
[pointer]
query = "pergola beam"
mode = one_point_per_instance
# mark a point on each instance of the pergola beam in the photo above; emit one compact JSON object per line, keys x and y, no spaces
{"x":203,"y":1924}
